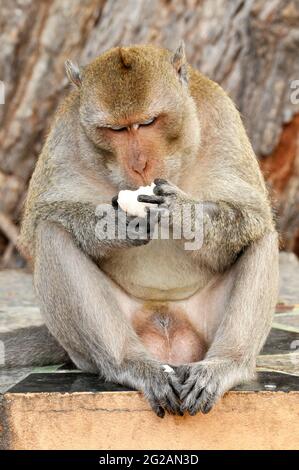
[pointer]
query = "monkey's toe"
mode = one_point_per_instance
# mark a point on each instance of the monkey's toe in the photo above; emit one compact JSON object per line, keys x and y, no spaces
{"x":203,"y":403}
{"x":163,"y":394}
{"x":157,"y":408}
{"x":200,"y":390}
{"x":182,"y":372}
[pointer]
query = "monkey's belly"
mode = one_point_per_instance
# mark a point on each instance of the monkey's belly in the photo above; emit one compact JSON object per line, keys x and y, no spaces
{"x":161,"y":270}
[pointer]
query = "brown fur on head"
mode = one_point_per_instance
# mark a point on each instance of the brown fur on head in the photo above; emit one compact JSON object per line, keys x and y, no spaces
{"x":136,"y":107}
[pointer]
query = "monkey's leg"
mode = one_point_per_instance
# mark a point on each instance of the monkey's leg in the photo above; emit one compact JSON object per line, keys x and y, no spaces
{"x":82,"y":309}
{"x":243,"y":327}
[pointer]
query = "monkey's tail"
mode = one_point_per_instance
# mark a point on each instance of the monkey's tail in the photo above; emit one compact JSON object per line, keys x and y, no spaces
{"x":32,"y":346}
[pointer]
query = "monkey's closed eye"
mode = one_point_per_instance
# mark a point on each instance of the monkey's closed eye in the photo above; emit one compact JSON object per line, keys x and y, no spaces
{"x":111,"y":128}
{"x":118,"y":128}
{"x":148,"y":122}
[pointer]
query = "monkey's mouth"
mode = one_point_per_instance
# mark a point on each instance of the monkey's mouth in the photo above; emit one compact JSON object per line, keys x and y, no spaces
{"x":134,"y":180}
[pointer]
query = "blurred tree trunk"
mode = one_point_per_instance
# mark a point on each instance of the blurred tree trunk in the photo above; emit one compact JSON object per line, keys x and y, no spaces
{"x":249,"y":46}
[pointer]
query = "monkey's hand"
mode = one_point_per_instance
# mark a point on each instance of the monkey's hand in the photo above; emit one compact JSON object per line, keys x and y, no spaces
{"x":170,"y":200}
{"x":166,"y":195}
{"x":118,"y":229}
{"x":204,"y":382}
{"x":159,"y":384}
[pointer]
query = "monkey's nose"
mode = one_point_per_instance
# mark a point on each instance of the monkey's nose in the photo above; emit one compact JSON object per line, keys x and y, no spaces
{"x":139,"y":164}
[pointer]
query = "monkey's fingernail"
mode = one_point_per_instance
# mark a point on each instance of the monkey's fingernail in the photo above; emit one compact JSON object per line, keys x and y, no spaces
{"x":192,"y":411}
{"x":182,"y":410}
{"x":158,"y":181}
{"x":206,"y":408}
{"x":160,"y":412}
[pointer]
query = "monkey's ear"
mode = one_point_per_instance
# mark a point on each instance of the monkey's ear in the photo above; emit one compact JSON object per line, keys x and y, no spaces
{"x":179,"y":62}
{"x":73,"y":73}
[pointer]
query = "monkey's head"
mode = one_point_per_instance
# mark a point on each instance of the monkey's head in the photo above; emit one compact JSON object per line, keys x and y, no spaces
{"x":136,"y":108}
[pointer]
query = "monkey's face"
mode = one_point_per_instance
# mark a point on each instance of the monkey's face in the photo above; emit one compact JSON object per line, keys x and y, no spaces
{"x":138,"y":150}
{"x":139,"y":115}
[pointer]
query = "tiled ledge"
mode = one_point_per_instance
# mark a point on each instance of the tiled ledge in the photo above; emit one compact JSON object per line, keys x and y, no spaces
{"x":71,"y":410}
{"x":51,"y":408}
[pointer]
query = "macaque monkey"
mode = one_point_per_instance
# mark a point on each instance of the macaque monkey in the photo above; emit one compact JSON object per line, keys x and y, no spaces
{"x":182,"y":326}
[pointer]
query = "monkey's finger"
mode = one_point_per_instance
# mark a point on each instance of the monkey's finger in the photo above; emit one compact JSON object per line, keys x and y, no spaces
{"x":160,"y":412}
{"x":168,"y":406}
{"x":203,"y":402}
{"x":159,"y":181}
{"x":193,"y":410}
{"x":114,"y":202}
{"x":193,"y":404}
{"x":188,"y":388}
{"x":174,"y":403}
{"x":163,"y":188}
{"x":150,"y":199}
{"x":207,"y":405}
{"x":173,"y":393}
{"x":210,"y":395}
{"x":176,"y":386}
{"x":156,"y":406}
{"x":182,"y":373}
{"x":171,"y":406}
{"x":169,"y":402}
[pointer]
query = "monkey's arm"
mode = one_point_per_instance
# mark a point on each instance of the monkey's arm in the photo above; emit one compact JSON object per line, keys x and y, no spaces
{"x":82,"y":220}
{"x":76,"y":217}
{"x":227,"y":230}
{"x":227,"y":227}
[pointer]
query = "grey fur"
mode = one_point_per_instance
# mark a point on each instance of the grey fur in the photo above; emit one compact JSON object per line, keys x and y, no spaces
{"x":242,"y":332}
{"x":32,"y":346}
{"x":232,"y":279}
{"x":83,"y":320}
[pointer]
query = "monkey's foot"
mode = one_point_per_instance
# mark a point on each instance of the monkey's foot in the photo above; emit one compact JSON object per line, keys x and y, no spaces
{"x":161,"y":387}
{"x":163,"y":393}
{"x":206,"y":381}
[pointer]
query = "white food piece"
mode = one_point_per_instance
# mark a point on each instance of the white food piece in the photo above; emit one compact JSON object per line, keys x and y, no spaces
{"x":168,"y":369}
{"x":127,"y":200}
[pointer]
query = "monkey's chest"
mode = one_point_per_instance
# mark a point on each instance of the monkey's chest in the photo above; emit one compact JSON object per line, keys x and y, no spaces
{"x":161,"y":270}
